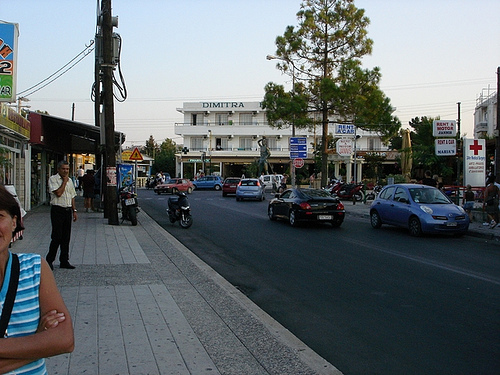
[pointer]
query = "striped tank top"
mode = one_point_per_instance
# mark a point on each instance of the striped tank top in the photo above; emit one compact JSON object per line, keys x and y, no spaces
{"x":26,"y":311}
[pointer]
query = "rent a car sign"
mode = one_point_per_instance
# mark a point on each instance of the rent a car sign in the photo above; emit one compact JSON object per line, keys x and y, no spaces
{"x":444,"y":128}
{"x":446,"y":147}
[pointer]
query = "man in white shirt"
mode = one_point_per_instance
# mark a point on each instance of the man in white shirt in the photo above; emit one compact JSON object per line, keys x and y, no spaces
{"x":62,"y":213}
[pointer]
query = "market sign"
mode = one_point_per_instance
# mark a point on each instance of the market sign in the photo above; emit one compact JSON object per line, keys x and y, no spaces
{"x":344,"y":147}
{"x":444,"y":128}
{"x":474,"y":162}
{"x":9,"y":33}
{"x":446,"y":147}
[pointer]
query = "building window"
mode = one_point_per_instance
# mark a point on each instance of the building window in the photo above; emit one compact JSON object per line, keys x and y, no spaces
{"x":220,"y":144}
{"x":197,"y":144}
{"x":245,"y":143}
{"x":221,"y":118}
{"x":246,"y":119}
{"x":271,"y":143}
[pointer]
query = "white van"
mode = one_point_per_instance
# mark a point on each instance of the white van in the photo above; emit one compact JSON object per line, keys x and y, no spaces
{"x":271,"y":181}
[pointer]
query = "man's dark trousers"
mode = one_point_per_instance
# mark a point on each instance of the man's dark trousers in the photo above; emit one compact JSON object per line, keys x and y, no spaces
{"x":61,"y":218}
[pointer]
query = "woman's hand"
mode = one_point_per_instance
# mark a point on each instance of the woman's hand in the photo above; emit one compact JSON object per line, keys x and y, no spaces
{"x":50,"y":320}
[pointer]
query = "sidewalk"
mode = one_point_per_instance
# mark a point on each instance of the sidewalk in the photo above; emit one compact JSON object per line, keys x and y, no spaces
{"x":142,"y":303}
{"x":476,"y":228}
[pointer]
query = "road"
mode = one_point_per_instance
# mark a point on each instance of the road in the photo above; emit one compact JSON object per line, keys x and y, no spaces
{"x":369,"y":301}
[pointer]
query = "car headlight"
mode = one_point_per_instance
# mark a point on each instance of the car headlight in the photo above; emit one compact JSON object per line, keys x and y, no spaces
{"x":461,"y":209}
{"x":426,"y":209}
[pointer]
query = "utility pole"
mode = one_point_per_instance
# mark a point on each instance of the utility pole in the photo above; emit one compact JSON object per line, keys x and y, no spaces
{"x":106,"y":68}
{"x":497,"y":132}
{"x":458,"y":145}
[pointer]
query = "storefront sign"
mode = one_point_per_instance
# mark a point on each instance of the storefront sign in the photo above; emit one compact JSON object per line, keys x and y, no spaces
{"x":344,"y":147}
{"x":474,"y":162}
{"x":14,"y":121}
{"x":446,"y":147}
{"x":9,"y":33}
{"x":345,"y":129}
{"x":111,"y":176}
{"x":444,"y":128}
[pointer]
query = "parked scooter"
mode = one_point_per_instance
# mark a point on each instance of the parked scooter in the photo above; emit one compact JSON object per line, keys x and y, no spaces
{"x":352,"y":192}
{"x":178,"y":210}
{"x":373,"y":194}
{"x":129,"y":203}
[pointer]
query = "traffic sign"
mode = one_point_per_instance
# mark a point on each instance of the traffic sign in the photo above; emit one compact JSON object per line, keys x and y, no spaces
{"x":298,"y":162}
{"x":298,"y":147}
{"x":136,"y":155}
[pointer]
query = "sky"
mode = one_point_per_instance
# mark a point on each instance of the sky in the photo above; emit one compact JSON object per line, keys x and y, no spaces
{"x":432,"y":54}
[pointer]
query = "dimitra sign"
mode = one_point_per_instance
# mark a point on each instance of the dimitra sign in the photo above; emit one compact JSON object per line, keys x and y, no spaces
{"x":344,"y":147}
{"x":446,"y":147}
{"x":474,"y":162}
{"x":444,"y":128}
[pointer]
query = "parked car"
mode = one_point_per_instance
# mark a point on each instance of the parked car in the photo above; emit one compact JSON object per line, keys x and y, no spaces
{"x":229,"y":186}
{"x":420,"y":208}
{"x":174,"y":185}
{"x":208,"y":182}
{"x":250,"y":188}
{"x":296,"y":205}
{"x":271,"y":181}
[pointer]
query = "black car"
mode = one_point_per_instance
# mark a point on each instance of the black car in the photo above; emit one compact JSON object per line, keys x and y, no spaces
{"x":296,"y":205}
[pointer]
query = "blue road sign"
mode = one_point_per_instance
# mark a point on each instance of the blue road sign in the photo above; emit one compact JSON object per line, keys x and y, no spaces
{"x":298,"y":147}
{"x":298,"y":154}
{"x":298,"y":141}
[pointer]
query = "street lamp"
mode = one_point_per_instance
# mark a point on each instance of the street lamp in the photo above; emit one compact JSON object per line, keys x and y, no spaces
{"x":272,"y":57}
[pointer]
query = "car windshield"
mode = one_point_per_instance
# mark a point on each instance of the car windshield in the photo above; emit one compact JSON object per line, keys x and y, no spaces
{"x":314,"y":193}
{"x":171,"y":181}
{"x":249,"y":182}
{"x":428,"y":196}
{"x":231,"y":180}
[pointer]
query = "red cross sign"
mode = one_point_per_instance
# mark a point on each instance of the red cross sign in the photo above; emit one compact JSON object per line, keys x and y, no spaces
{"x":476,"y":147}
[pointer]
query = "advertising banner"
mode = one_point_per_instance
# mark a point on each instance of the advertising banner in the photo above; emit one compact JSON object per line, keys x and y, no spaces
{"x":474,"y":162}
{"x":446,"y":147}
{"x":125,"y":175}
{"x":9,"y":33}
{"x":344,"y":147}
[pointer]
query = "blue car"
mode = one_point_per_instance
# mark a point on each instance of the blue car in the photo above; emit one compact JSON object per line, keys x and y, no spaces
{"x":208,"y":182}
{"x":250,"y":188}
{"x":420,"y":208}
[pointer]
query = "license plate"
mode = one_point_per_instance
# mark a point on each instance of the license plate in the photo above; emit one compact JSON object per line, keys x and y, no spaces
{"x":451,"y":224}
{"x":129,"y":202}
{"x":324,"y":217}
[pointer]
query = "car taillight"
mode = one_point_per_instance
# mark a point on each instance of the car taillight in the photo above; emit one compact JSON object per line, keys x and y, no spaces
{"x":239,"y":183}
{"x":305,"y":206}
{"x":340,"y":206}
{"x":258,"y":183}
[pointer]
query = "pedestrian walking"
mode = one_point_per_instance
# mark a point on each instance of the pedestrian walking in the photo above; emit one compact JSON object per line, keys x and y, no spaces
{"x":62,"y":213}
{"x":88,"y":182}
{"x":35,"y":323}
{"x":468,"y":201}
{"x":490,"y":202}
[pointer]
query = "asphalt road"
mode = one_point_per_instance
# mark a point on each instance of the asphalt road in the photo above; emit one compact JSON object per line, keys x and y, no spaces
{"x":369,"y":301}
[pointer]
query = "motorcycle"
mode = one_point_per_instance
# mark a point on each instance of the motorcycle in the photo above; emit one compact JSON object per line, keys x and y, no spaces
{"x":129,"y":204}
{"x":373,"y":194}
{"x":178,"y":210}
{"x":353,"y":192}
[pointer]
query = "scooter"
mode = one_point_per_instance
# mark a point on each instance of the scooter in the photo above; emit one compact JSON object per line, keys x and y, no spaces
{"x":352,"y":192}
{"x":129,"y":203}
{"x":373,"y":194}
{"x":178,"y":210}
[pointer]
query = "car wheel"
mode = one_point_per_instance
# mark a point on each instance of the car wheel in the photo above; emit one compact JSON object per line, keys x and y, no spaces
{"x":292,"y":219}
{"x":375,"y":220}
{"x":158,"y":192}
{"x":337,"y":222}
{"x":263,"y":197}
{"x":190,"y":190}
{"x":224,"y":194}
{"x":270,"y":213}
{"x":217,"y":187}
{"x":238,"y":199}
{"x":415,"y":227}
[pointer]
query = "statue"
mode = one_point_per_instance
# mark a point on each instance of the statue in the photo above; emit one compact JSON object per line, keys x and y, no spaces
{"x":265,"y":153}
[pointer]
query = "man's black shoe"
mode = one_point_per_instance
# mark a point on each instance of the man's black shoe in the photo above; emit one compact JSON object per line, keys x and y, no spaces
{"x":67,"y":265}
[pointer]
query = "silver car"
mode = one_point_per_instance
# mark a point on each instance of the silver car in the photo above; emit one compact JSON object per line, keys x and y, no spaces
{"x":250,"y":188}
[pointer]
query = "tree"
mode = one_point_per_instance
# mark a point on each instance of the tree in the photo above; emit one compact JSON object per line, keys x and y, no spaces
{"x":322,"y":58}
{"x":165,"y":157}
{"x":423,"y":148}
{"x":151,"y":147}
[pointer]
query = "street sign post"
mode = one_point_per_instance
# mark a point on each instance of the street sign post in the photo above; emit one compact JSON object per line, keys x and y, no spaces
{"x":298,"y":147}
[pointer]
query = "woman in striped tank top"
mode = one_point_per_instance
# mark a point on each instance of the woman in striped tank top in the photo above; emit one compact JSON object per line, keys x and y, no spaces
{"x":40,"y":325}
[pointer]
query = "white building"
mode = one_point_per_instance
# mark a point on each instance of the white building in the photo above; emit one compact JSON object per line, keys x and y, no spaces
{"x":485,"y":115}
{"x":222,"y":138}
